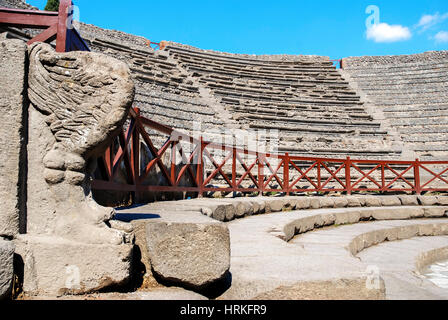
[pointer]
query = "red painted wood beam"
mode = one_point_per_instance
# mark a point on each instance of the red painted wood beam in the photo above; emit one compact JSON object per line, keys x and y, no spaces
{"x":27,"y":19}
{"x":63,"y":22}
{"x":45,"y":36}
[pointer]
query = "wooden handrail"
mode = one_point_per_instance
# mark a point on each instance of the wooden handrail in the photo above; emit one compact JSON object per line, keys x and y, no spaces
{"x":281,"y":173}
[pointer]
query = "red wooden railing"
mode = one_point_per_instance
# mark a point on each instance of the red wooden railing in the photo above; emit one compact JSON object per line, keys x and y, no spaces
{"x":58,"y":26}
{"x":264,"y":172}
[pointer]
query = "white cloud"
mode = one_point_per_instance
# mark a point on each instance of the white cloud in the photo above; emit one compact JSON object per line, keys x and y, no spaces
{"x":427,"y":21}
{"x":441,"y":36}
{"x":384,"y":32}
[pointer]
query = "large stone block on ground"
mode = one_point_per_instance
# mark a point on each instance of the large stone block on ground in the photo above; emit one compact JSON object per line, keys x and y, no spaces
{"x":189,"y":255}
{"x":12,"y":100}
{"x":6,"y":267}
{"x":55,"y":266}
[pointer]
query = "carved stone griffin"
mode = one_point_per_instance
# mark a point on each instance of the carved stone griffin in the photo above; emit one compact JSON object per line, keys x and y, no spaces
{"x":83,"y":98}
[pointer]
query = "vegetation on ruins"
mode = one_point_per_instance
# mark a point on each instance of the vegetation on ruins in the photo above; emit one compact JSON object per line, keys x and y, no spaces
{"x":52,"y":5}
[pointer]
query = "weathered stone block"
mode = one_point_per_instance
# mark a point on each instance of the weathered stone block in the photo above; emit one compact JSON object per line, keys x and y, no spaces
{"x":390,"y":201}
{"x":340,"y":202}
{"x":55,"y":266}
{"x":314,"y":203}
{"x":215,"y":211}
{"x":443,"y":201}
{"x":305,"y":224}
{"x":12,"y":135}
{"x":274,"y":205}
{"x":6,"y":267}
{"x":353,"y":202}
{"x":408,"y":200}
{"x":373,"y":202}
{"x":397,"y":213}
{"x":408,"y":232}
{"x":435,"y":212}
{"x":426,"y":230}
{"x":189,"y":255}
{"x":328,"y":219}
{"x":242,"y":209}
{"x":230,"y":212}
{"x":303,"y":203}
{"x":428,"y":200}
{"x":326,"y":202}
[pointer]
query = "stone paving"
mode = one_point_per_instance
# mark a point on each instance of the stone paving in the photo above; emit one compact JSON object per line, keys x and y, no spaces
{"x":316,"y":263}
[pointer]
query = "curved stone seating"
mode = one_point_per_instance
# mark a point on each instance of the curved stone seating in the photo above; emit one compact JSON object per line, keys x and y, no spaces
{"x":268,"y":269}
{"x":403,"y":276}
{"x":411,"y":91}
{"x":406,"y":206}
{"x":288,"y":93}
{"x":317,"y":261}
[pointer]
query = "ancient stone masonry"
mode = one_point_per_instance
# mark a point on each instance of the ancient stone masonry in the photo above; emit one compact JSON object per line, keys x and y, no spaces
{"x":77,"y":102}
{"x":411,"y":94}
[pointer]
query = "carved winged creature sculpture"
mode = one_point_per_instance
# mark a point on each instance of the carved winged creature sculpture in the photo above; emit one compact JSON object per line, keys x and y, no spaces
{"x":85,"y":98}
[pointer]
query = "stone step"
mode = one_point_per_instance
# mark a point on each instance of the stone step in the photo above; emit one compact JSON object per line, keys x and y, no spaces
{"x":420,"y":121}
{"x":417,"y":115}
{"x":240,"y":59}
{"x":309,"y":114}
{"x":215,"y":65}
{"x":322,"y":122}
{"x":398,"y":68}
{"x":418,"y":77}
{"x":417,"y":108}
{"x":324,"y":130}
{"x":247,"y":75}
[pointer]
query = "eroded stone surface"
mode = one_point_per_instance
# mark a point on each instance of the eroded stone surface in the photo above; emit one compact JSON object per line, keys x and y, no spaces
{"x":79,"y":101}
{"x":6,"y":267}
{"x":188,"y":254}
{"x":56,"y":266}
{"x":12,"y":135}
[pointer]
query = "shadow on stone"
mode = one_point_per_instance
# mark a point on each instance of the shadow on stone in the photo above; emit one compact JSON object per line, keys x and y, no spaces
{"x":211,"y":291}
{"x":128,"y":217}
{"x":135,"y":280}
{"x":17,"y":284}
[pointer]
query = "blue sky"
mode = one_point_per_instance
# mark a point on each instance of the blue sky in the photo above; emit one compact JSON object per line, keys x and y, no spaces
{"x":331,"y":28}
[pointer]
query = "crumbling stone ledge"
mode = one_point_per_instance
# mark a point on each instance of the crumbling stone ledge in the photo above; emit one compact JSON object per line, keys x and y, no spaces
{"x":234,"y":208}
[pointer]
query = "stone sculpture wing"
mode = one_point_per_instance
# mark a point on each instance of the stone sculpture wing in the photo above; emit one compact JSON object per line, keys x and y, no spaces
{"x":84,"y":96}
